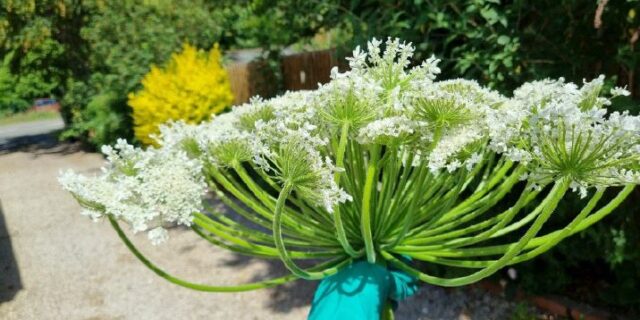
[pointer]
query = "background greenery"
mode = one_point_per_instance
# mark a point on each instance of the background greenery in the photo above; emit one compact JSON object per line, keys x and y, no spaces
{"x":91,"y":53}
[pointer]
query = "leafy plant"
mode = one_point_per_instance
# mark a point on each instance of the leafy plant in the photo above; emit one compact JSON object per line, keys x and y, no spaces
{"x":123,"y":42}
{"x":41,"y":46}
{"x":10,"y":102}
{"x":102,"y":120}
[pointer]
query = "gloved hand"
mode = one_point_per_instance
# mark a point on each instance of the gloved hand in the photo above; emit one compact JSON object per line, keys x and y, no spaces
{"x":360,"y":291}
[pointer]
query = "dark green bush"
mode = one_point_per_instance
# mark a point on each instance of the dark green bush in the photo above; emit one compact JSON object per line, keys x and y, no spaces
{"x":503,"y":43}
{"x":39,"y":51}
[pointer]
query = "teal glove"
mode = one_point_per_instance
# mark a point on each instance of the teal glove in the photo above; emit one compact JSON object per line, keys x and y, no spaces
{"x":360,"y":291}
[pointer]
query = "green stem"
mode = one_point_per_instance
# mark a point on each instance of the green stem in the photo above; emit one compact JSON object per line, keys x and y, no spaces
{"x":337,"y":215}
{"x":558,"y":191}
{"x":543,"y":247}
{"x":495,"y":178}
{"x":365,"y":221}
{"x":282,"y":251}
{"x":537,"y":241}
{"x":409,"y":216}
{"x":269,"y":202}
{"x":227,"y":234}
{"x":192,"y":285}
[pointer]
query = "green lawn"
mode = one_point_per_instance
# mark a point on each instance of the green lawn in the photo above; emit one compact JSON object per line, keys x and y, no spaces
{"x":29,"y":116}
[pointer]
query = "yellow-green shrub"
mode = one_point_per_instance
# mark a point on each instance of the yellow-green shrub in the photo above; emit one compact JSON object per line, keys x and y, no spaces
{"x":192,"y":87}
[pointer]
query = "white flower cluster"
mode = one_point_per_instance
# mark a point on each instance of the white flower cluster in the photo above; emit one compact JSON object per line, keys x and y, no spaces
{"x":561,"y":130}
{"x":148,"y":189}
{"x":294,"y":156}
{"x":391,"y":130}
{"x":617,"y":91}
{"x":389,"y":67}
{"x":444,"y":155}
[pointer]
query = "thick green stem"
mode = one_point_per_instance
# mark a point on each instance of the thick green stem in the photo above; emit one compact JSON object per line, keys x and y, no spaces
{"x":365,"y":217}
{"x":227,"y":234}
{"x":269,"y":202}
{"x":409,"y":216}
{"x":535,"y":242}
{"x":565,"y":232}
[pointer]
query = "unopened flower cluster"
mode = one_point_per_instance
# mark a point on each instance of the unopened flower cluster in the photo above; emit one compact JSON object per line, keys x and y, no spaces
{"x":554,"y":128}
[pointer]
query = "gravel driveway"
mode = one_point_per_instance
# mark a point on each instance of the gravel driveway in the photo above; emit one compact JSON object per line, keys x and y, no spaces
{"x":29,"y":133}
{"x":56,"y":264}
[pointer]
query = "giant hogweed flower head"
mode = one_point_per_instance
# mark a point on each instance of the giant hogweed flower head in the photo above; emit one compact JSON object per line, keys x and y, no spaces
{"x":383,"y":160}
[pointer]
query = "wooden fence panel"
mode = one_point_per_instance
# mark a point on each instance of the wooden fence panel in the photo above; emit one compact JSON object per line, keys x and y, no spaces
{"x":303,"y":71}
{"x":250,"y":79}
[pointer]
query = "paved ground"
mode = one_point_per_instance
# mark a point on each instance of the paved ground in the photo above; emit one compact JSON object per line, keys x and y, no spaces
{"x":56,"y":264}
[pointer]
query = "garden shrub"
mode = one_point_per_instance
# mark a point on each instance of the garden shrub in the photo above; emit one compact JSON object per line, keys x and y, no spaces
{"x":124,"y":41}
{"x":10,"y":102}
{"x":192,"y":87}
{"x":504,"y":43}
{"x":103,"y":118}
{"x":40,"y":49}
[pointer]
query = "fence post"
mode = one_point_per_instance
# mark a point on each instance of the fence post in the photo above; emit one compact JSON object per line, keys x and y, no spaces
{"x":249,"y":75}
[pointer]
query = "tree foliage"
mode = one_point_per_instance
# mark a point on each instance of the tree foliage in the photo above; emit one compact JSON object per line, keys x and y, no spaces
{"x":41,"y":49}
{"x":503,"y":43}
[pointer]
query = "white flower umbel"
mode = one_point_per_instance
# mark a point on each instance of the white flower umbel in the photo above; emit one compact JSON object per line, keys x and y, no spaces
{"x":618,"y":91}
{"x":563,"y":131}
{"x":447,"y":152}
{"x":147,"y":189}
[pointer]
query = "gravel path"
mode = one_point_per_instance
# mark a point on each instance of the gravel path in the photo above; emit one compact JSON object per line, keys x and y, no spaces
{"x":56,"y":264}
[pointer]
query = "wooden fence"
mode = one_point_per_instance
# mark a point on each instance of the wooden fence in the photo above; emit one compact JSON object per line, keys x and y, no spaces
{"x":250,"y":76}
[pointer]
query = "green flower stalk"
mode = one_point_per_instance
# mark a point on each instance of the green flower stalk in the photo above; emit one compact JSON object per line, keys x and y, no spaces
{"x":381,"y":162}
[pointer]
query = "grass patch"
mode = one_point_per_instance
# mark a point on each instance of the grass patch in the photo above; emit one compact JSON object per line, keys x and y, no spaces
{"x":29,"y":116}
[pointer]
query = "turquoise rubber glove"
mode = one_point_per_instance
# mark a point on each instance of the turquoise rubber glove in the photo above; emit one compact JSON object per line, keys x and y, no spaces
{"x":360,"y":291}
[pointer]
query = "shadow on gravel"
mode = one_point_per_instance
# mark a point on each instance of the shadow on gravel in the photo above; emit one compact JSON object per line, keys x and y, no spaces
{"x":10,"y":282}
{"x":39,"y":144}
{"x":283,"y":298}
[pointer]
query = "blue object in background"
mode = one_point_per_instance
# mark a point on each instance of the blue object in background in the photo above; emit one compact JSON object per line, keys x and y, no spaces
{"x":360,"y":291}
